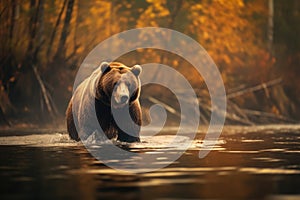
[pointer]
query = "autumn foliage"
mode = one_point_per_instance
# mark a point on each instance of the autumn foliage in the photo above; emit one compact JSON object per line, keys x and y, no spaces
{"x":43,"y":43}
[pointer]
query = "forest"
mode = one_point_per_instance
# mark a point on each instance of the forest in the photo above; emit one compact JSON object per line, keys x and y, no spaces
{"x":254,"y":43}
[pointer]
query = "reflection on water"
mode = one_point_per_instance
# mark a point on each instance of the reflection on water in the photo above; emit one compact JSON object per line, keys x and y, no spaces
{"x":247,"y":163}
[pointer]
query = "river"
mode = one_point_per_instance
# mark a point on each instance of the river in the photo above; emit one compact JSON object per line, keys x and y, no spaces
{"x":257,"y":162}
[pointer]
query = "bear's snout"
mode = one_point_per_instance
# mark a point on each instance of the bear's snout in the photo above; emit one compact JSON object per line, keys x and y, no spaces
{"x":124,"y":98}
{"x":121,"y":95}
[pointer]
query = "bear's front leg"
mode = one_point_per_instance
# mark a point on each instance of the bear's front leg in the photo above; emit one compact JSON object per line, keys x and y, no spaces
{"x":71,"y":124}
{"x":124,"y":137}
{"x":132,"y":124}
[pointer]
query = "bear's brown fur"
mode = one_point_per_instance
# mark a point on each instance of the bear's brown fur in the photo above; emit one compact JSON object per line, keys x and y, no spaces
{"x":111,"y":86}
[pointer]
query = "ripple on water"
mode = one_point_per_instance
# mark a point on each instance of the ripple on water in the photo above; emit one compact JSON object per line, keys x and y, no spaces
{"x":272,"y":150}
{"x":283,"y":197}
{"x":251,"y":141}
{"x":254,"y":170}
{"x":268,"y":159}
{"x":240,"y":152}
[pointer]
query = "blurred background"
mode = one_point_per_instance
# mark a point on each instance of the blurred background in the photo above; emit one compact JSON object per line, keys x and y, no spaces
{"x":255,"y":44}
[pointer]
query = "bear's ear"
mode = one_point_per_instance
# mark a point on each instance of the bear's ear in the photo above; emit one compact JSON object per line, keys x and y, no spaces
{"x":104,"y":66}
{"x":136,"y":70}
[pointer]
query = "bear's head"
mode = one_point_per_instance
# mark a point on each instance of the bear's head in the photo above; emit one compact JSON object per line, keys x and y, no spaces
{"x":118,"y":85}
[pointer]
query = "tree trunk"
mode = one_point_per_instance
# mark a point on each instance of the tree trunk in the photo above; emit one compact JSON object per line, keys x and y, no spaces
{"x":61,"y":51}
{"x":32,"y":29}
{"x":271,"y":26}
{"x":12,"y":23}
{"x":55,"y":27}
{"x":40,"y":29}
{"x":174,"y":10}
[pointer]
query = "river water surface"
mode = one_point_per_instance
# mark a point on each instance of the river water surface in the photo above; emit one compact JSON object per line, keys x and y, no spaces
{"x":261,"y":162}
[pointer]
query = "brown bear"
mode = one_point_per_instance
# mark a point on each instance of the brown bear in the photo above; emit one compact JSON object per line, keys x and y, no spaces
{"x":111,"y":88}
